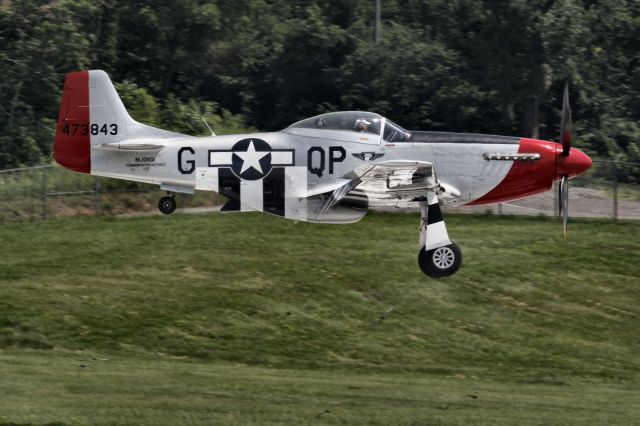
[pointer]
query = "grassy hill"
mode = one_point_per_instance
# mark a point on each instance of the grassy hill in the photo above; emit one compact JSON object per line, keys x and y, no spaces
{"x":250,"y":319}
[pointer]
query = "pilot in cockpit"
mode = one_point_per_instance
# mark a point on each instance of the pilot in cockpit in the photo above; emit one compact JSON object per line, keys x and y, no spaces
{"x":362,"y":125}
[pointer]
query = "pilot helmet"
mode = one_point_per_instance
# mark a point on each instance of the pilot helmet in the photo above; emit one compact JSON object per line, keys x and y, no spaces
{"x":362,"y":124}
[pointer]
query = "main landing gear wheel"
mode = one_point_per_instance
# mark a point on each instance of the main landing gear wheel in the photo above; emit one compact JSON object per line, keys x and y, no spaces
{"x":167,"y":205}
{"x":440,"y":262}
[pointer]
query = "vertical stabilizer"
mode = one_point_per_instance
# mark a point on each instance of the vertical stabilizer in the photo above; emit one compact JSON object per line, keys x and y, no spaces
{"x":72,"y":146}
{"x":92,"y":114}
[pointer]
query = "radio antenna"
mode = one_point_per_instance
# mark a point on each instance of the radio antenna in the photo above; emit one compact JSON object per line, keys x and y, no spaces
{"x":208,"y":127}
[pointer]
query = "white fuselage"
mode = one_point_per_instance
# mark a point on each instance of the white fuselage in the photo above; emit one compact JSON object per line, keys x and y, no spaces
{"x":461,"y":168}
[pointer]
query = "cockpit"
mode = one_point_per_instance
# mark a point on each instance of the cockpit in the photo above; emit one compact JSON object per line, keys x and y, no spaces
{"x":365,"y":123}
{"x":395,"y":133}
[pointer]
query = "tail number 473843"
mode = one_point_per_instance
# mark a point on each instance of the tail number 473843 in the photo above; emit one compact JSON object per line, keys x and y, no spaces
{"x":94,"y":129}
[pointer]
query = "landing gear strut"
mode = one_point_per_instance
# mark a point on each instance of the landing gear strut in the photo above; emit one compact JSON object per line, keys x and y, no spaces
{"x":438,"y":257}
{"x":167,"y":205}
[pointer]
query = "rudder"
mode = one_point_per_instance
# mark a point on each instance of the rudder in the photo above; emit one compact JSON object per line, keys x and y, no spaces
{"x":72,"y":144}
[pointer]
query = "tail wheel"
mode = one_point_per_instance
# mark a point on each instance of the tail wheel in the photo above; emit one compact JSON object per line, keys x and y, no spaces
{"x":440,"y":262}
{"x":167,"y":205}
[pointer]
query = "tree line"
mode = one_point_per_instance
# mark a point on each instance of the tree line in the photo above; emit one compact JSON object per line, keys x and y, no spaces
{"x":489,"y":66}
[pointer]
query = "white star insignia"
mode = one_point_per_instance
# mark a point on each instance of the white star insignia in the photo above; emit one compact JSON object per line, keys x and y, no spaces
{"x":251,"y":158}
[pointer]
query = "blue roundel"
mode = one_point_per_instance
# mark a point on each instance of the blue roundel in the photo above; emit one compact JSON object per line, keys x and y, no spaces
{"x":251,"y":159}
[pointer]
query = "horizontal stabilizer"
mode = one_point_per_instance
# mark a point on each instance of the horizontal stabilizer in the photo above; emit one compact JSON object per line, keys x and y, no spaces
{"x":136,"y":146}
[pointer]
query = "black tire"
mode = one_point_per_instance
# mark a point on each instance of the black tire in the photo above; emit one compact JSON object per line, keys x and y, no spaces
{"x":440,"y":262}
{"x":167,"y":205}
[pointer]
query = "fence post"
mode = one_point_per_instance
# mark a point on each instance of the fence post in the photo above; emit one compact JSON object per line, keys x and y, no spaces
{"x":615,"y":192}
{"x":98,"y":206}
{"x":43,"y":191}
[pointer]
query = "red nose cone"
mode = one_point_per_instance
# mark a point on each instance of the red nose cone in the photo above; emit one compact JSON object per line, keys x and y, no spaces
{"x":571,"y":165}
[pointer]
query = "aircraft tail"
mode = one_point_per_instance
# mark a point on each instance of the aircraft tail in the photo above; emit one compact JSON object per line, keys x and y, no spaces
{"x":92,"y":114}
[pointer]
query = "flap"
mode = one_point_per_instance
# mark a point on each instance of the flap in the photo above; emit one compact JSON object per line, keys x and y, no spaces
{"x":400,"y":179}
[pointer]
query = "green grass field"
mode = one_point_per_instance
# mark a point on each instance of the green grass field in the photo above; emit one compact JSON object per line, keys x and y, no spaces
{"x":251,"y":319}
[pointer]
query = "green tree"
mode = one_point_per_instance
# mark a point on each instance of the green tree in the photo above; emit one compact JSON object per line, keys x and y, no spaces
{"x":39,"y":41}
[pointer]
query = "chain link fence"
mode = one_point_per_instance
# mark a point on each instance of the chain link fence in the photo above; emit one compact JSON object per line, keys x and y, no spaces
{"x":606,"y":190}
{"x":51,"y":191}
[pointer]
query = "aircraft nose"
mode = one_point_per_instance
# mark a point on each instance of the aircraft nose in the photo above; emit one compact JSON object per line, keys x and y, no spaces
{"x":571,"y":165}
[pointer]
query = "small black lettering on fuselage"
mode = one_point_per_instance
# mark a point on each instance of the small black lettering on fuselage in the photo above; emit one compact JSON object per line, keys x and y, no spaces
{"x":315,"y":163}
{"x":337,"y":154}
{"x":145,"y":159}
{"x":190,"y":164}
{"x":316,"y":159}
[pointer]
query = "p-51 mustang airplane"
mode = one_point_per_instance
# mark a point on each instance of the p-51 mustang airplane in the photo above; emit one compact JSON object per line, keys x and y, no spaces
{"x":323,"y":169}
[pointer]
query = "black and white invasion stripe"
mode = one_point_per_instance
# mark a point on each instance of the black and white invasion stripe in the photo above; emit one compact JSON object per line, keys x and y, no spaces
{"x":436,"y":232}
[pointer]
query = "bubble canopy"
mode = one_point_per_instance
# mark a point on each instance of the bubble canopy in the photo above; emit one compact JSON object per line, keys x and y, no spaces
{"x":356,"y":121}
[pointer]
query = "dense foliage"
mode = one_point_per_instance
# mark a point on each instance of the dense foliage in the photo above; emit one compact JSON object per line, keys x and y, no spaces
{"x":458,"y":65}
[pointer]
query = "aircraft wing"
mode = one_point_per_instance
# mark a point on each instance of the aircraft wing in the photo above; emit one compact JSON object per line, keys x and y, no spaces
{"x":399,"y":179}
{"x":386,"y":184}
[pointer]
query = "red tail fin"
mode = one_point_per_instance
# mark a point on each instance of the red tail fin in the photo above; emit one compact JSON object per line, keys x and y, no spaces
{"x":72,"y":146}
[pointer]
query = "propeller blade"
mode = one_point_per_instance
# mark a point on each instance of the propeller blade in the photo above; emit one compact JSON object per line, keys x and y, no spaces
{"x":560,"y":198}
{"x":566,"y":131}
{"x":564,"y":203}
